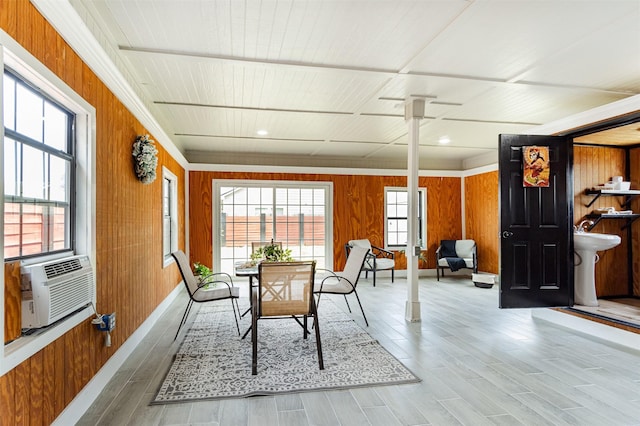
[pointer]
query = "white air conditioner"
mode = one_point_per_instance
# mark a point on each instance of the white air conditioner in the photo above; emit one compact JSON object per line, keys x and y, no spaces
{"x":55,"y":289}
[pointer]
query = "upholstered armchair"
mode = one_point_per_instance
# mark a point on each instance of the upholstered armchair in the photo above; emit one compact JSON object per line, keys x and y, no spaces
{"x":455,"y":255}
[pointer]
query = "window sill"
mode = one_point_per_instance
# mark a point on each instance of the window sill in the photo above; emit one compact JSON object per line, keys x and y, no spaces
{"x":168,"y":261}
{"x":24,"y":347}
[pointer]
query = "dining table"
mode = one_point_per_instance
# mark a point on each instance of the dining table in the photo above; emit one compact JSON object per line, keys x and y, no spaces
{"x":250,"y":271}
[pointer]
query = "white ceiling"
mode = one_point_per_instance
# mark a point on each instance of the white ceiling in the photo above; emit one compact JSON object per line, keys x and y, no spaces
{"x":329,"y":79}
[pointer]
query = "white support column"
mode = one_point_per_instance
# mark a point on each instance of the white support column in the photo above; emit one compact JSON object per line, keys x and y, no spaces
{"x":414,"y":112}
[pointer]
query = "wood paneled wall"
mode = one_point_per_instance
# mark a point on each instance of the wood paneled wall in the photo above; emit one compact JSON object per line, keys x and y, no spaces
{"x":12,"y":301}
{"x":129,"y":269}
{"x":482,"y":218}
{"x":358,"y":204}
{"x":595,"y":165}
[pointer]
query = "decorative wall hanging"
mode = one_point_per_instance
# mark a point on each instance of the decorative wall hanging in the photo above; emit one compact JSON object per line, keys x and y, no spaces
{"x":536,"y":168}
{"x":145,"y":155}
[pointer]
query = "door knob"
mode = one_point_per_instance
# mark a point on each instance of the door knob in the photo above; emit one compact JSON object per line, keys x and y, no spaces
{"x":506,"y":234}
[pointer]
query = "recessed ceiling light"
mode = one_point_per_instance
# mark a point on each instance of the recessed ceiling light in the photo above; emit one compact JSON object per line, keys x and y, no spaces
{"x":444,"y":140}
{"x":262,"y":133}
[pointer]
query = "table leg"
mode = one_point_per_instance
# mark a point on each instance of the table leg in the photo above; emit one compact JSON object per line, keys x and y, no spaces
{"x":250,"y":286}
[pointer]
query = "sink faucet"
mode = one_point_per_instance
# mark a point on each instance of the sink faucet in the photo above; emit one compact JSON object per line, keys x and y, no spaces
{"x":583,"y":225}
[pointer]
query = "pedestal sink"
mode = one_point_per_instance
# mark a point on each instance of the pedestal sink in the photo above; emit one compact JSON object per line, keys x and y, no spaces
{"x":586,"y":244}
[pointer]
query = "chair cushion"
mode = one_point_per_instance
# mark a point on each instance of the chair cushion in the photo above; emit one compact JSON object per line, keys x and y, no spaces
{"x":467,"y":260}
{"x":360,"y":243}
{"x":333,"y":285}
{"x":381,"y":263}
{"x":464,"y":248}
{"x":220,"y":292}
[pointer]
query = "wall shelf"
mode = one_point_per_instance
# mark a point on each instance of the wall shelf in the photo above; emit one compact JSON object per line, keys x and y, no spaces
{"x":597,"y":193}
{"x":597,"y":217}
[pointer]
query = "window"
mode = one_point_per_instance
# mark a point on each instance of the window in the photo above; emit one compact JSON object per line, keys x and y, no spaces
{"x":49,"y":179}
{"x":295,"y":213}
{"x":169,"y":215}
{"x":38,"y":171}
{"x":396,"y":212}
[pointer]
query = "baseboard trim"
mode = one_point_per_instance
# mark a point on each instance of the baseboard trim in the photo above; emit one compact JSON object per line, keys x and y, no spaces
{"x":83,"y":400}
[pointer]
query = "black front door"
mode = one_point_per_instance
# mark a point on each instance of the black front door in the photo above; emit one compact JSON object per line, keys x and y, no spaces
{"x":536,"y":226}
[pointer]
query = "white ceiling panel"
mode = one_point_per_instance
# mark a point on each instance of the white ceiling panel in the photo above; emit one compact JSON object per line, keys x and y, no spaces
{"x":373,"y":34}
{"x":175,"y":78}
{"x":530,"y":104}
{"x":464,"y":134}
{"x":503,"y":39}
{"x":603,"y":59}
{"x":253,"y":146}
{"x":329,"y":79}
{"x":221,"y":121}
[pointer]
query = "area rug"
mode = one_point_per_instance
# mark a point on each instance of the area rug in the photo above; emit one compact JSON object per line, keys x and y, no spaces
{"x":214,"y":363}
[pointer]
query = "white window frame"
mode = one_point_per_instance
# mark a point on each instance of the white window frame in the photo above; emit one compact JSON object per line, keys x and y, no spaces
{"x":423,"y":214}
{"x":328,"y":202}
{"x":173,"y":213}
{"x":42,"y":200}
{"x":13,"y":55}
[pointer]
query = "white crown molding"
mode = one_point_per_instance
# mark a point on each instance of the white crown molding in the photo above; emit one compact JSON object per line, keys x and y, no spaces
{"x":67,"y":22}
{"x":480,"y":170}
{"x":594,"y":115}
{"x":318,"y":170}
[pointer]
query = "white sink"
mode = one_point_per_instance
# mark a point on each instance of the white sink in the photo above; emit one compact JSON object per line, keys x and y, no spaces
{"x":593,"y":241}
{"x":586,"y":244}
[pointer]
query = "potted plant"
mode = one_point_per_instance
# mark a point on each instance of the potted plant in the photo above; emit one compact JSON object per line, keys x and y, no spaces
{"x":204,"y":275}
{"x":271,"y":253}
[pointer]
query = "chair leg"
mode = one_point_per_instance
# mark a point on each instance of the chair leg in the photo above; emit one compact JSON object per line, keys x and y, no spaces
{"x":438,"y":273}
{"x":363,"y":315}
{"x":254,"y":342}
{"x":392,"y":274}
{"x":318,"y":342}
{"x":305,"y":333}
{"x":184,"y":318}
{"x":374,"y":277}
{"x":347,"y":302}
{"x":234,"y":306}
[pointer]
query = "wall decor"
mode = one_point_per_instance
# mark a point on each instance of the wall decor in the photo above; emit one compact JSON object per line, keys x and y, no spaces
{"x":146,"y":159}
{"x":536,"y":168}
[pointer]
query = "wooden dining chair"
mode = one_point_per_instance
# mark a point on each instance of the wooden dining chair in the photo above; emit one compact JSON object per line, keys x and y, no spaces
{"x":285,"y":290}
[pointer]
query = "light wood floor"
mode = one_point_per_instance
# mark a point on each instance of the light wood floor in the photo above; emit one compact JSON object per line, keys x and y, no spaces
{"x":479,"y":366}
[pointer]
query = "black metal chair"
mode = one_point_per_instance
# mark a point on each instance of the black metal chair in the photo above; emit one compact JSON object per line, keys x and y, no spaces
{"x":217,"y":286}
{"x":344,"y":283}
{"x":378,"y":259}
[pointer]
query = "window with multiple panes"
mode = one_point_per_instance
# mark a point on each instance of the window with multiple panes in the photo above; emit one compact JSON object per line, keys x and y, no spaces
{"x":169,"y":214}
{"x":294,"y":213}
{"x":39,"y":173}
{"x":396,"y":213}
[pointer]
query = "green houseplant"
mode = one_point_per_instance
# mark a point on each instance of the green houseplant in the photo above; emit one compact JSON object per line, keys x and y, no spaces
{"x":203,"y":275}
{"x":271,"y":253}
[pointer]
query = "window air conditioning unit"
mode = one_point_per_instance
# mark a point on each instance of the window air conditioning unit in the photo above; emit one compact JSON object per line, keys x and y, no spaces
{"x":55,"y":289}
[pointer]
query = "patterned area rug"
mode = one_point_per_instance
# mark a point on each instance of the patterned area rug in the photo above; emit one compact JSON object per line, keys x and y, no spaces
{"x":214,"y":363}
